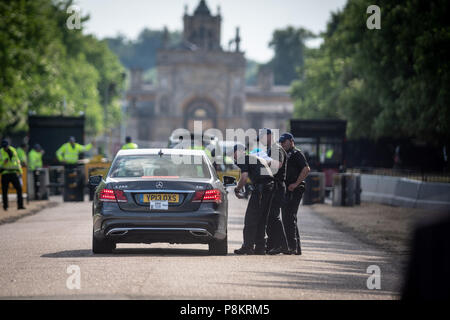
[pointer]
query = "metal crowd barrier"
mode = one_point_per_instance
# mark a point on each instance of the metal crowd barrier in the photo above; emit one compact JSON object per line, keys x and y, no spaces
{"x":315,"y":188}
{"x":346,"y":189}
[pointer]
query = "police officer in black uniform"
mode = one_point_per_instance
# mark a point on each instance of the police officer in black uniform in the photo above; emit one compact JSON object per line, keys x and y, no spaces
{"x":255,"y":220}
{"x":276,"y":237}
{"x":297,"y":170}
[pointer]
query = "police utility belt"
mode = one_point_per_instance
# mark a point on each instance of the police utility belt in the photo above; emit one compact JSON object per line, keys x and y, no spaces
{"x":263,"y":186}
{"x":279,"y":183}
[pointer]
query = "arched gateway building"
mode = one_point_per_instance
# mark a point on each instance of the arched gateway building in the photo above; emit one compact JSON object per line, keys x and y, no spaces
{"x":199,"y":80}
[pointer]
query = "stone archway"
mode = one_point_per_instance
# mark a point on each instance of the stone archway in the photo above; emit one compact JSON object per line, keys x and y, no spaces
{"x":200,"y":109}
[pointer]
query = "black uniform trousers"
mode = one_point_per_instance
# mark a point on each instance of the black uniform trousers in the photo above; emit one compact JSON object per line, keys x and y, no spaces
{"x":14,"y":179}
{"x":256,"y":216}
{"x":276,"y":236}
{"x":289,"y":214}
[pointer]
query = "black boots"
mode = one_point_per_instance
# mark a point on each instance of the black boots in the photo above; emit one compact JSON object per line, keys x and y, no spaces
{"x":244,"y":250}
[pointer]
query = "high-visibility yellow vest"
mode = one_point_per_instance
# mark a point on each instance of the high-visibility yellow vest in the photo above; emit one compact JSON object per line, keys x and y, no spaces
{"x":129,"y":145}
{"x":329,"y":154}
{"x":208,"y":153}
{"x":34,"y":160}
{"x":228,"y":160}
{"x":10,"y":165}
{"x":70,"y":154}
{"x":22,"y":156}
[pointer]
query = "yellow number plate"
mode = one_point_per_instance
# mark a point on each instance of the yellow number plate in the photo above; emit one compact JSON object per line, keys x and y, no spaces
{"x":171,"y":198}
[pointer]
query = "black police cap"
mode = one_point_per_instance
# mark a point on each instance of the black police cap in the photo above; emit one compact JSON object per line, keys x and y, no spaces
{"x":286,"y":136}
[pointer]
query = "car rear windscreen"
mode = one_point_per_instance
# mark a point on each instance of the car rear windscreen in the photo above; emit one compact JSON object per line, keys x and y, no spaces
{"x":160,"y":166}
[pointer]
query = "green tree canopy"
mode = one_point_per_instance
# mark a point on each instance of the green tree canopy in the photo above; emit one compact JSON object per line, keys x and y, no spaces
{"x":393,"y":82}
{"x":49,"y":69}
{"x":289,"y":48}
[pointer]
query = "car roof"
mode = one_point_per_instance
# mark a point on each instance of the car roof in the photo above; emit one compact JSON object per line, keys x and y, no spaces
{"x":194,"y":137}
{"x":136,"y":152}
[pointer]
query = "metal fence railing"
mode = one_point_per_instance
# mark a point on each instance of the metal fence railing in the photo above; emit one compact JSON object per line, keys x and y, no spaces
{"x":405,"y":173}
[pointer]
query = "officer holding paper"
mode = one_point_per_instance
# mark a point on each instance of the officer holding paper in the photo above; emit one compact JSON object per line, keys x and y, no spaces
{"x":255,"y":221}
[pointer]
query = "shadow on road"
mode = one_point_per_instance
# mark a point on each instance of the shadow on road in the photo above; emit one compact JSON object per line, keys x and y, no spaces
{"x":320,"y":244}
{"x":348,"y":283}
{"x":127,"y":252}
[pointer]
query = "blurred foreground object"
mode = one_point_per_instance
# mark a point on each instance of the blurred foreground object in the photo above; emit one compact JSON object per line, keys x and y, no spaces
{"x":427,"y":274}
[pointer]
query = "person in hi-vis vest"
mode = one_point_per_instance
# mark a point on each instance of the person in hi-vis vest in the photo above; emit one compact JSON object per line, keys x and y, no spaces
{"x":22,"y":154}
{"x":128,"y":144}
{"x":35,"y":157}
{"x":11,"y":171}
{"x":69,"y":152}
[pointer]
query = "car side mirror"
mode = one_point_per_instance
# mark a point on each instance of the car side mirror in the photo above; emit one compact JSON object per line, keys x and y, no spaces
{"x":229,"y":181}
{"x":95,"y":180}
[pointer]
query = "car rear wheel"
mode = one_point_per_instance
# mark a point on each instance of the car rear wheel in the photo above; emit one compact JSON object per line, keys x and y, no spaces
{"x":102,"y":246}
{"x":219,"y":247}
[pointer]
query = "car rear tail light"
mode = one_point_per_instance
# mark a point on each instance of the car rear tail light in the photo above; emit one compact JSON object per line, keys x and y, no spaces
{"x":208,"y":196}
{"x":110,"y":195}
{"x":213,"y":196}
{"x":120,"y":196}
{"x":198,"y":196}
{"x":107,"y":195}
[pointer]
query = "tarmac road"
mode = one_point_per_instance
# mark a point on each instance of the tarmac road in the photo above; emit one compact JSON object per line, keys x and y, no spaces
{"x":36,"y":251}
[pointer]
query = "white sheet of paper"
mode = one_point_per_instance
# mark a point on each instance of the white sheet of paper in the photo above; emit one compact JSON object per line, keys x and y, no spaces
{"x":263,"y":154}
{"x":159,"y":205}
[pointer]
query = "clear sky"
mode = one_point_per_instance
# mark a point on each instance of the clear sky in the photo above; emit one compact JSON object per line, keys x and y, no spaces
{"x":257,"y":19}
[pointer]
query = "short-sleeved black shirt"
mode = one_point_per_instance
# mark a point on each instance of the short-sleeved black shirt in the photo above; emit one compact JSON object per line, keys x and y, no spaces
{"x":257,"y":168}
{"x":280,"y":175}
{"x":295,"y":164}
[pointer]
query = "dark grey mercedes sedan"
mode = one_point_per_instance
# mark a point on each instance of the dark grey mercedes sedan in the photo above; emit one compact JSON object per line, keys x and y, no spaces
{"x":160,"y":195}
